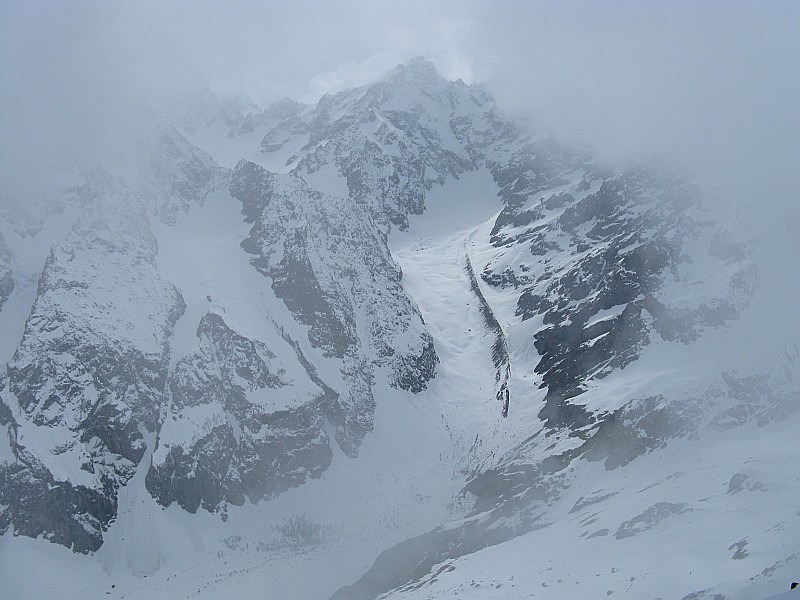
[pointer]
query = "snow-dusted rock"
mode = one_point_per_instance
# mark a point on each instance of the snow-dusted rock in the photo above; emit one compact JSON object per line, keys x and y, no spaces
{"x":244,"y":422}
{"x":606,"y":262}
{"x":330,"y":265}
{"x":388,"y":142}
{"x":6,"y":272}
{"x":175,"y":174}
{"x":86,"y":383}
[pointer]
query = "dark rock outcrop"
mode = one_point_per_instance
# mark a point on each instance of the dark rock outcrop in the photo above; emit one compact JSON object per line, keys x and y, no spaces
{"x":330,"y":265}
{"x":6,"y":272}
{"x":244,"y":423}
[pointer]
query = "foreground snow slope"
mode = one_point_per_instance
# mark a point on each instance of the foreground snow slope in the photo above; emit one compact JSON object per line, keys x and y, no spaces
{"x":713,"y":517}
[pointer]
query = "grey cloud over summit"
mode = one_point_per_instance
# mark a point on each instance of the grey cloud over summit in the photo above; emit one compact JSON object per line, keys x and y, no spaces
{"x":713,"y":84}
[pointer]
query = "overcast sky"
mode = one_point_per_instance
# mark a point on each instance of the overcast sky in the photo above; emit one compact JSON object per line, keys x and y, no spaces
{"x":715,"y":83}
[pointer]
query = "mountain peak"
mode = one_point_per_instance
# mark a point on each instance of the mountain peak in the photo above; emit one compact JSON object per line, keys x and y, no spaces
{"x":417,"y":68}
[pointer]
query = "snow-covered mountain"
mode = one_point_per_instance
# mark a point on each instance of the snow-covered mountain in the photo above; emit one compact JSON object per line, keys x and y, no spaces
{"x":397,"y":339}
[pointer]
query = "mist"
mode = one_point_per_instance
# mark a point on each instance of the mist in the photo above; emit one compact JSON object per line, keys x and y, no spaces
{"x":713,"y":85}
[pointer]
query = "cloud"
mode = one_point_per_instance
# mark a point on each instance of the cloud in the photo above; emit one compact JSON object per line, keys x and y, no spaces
{"x":704,"y":81}
{"x":77,"y":80}
{"x":713,"y":83}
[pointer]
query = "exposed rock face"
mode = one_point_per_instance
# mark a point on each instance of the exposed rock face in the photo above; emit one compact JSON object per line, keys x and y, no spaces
{"x":6,"y":272}
{"x":86,"y":382}
{"x":331,"y":267}
{"x":244,"y":422}
{"x":599,"y":259}
{"x":283,"y":109}
{"x":178,"y":175}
